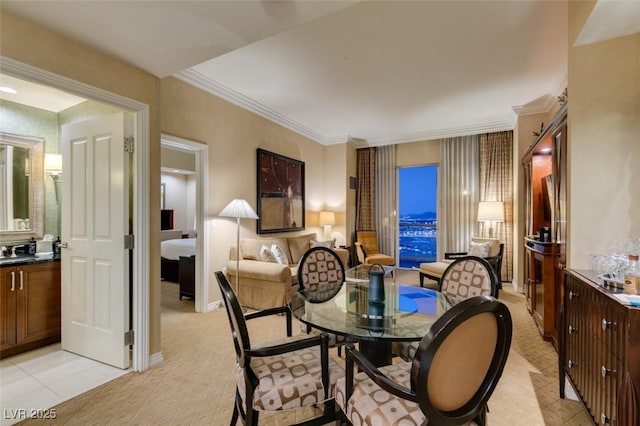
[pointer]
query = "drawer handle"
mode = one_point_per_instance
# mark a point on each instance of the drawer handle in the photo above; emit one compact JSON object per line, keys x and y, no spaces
{"x":607,"y":324}
{"x":572,"y":329}
{"x":604,"y":419}
{"x":13,"y":281}
{"x":571,"y":364}
{"x":21,"y":280}
{"x":605,"y":371}
{"x":572,"y":295}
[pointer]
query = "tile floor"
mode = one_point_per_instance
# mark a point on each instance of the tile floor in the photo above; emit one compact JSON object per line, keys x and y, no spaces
{"x":33,"y":382}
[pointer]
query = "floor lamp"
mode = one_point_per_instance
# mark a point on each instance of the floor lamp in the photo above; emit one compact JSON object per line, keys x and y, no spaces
{"x":239,"y":209}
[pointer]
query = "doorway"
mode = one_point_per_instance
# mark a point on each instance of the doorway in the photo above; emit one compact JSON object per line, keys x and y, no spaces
{"x":418,"y":200}
{"x":199,"y":203}
{"x":140,"y":359}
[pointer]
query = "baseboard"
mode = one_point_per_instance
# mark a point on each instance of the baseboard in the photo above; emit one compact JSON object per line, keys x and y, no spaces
{"x":215,"y":305}
{"x":155,"y":359}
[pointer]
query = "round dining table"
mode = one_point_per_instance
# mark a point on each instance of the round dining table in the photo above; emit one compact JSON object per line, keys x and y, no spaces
{"x":399,"y":313}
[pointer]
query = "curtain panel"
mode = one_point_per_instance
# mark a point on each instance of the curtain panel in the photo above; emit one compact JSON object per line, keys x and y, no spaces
{"x":365,"y":195}
{"x":458,"y":198}
{"x":386,"y":199}
{"x":496,"y":184}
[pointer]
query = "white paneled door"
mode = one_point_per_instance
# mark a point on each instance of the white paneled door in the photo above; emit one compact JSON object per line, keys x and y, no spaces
{"x":95,"y":218}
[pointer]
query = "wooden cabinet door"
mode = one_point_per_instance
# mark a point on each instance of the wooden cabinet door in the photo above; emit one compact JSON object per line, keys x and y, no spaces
{"x":7,"y":308}
{"x":38,"y":302}
{"x":529,"y":276}
{"x":559,"y":213}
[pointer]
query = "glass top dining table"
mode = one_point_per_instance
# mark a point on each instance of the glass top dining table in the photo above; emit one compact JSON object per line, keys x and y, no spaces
{"x":403,"y":313}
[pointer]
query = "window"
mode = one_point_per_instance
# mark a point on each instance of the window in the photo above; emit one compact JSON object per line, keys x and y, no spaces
{"x":417,"y":215}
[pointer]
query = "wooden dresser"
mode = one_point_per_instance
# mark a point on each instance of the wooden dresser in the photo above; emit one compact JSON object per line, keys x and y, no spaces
{"x":599,"y":349}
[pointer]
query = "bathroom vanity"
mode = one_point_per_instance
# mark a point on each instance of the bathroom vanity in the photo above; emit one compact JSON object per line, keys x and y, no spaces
{"x":30,"y":304}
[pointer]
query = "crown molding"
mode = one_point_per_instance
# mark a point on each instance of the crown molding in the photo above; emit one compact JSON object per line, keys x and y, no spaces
{"x":205,"y":83}
{"x":550,"y":99}
{"x":451,"y":132}
{"x":209,"y":85}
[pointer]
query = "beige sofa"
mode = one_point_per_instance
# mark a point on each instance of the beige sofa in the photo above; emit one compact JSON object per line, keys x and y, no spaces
{"x":264,"y":284}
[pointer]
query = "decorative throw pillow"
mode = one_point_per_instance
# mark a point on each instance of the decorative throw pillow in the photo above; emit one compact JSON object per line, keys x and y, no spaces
{"x":479,"y":249}
{"x":266,"y":255}
{"x":328,"y":244}
{"x":281,"y":258}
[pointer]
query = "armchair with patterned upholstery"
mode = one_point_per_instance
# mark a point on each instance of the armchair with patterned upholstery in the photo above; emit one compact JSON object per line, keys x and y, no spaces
{"x":368,"y":252}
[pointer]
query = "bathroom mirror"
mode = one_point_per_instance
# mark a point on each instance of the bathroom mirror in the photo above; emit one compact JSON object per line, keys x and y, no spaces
{"x":21,"y":187}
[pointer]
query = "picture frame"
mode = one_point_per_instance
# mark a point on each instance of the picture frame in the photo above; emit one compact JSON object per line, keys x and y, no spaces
{"x":280,"y":191}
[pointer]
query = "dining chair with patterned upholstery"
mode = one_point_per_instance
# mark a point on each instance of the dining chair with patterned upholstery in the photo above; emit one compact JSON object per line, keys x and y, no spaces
{"x":455,"y":370}
{"x":465,"y":277}
{"x":289,"y":373}
{"x":321,"y":265}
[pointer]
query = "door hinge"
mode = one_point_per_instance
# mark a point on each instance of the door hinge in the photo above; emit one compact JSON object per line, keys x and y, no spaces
{"x":129,"y":145}
{"x":128,"y":337}
{"x":129,"y":242}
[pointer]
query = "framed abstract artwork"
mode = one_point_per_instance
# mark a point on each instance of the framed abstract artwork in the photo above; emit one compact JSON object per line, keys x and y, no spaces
{"x":280,"y":193}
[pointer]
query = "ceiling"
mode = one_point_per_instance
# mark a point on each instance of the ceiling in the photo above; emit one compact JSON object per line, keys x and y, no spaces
{"x":369,"y":72}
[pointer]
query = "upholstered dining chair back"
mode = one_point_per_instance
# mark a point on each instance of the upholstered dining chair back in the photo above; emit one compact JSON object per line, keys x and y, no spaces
{"x":320,"y":265}
{"x":467,"y":277}
{"x":461,"y":359}
{"x":289,"y":373}
{"x":456,"y":368}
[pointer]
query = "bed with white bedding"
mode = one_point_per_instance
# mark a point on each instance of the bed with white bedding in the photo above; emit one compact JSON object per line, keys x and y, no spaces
{"x":173,"y":249}
{"x":170,"y":253}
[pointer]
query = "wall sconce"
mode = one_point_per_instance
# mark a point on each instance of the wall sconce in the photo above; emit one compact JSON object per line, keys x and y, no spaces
{"x":491,"y":211}
{"x":327,"y":219}
{"x":53,"y":166}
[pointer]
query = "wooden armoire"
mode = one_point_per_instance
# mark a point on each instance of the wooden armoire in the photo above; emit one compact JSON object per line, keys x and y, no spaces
{"x":545,"y":172}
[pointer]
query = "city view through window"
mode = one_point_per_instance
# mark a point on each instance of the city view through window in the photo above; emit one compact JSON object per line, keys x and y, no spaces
{"x":418,"y":195}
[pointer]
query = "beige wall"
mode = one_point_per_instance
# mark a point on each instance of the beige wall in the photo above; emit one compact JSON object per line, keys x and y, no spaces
{"x":604,"y":146}
{"x":418,"y":153}
{"x":33,"y":45}
{"x":336,"y":186}
{"x":233,"y":135}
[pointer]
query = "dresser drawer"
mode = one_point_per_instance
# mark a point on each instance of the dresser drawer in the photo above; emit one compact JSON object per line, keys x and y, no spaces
{"x":599,"y":351}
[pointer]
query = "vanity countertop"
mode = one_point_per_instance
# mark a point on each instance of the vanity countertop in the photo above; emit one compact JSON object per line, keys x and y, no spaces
{"x":25,"y":260}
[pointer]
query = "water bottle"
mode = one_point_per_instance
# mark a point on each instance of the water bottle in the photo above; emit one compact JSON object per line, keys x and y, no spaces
{"x":376,"y":285}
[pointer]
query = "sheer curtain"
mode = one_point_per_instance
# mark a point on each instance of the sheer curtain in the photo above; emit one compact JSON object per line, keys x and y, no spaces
{"x":458,"y":185}
{"x":365,"y":195}
{"x":496,"y":184}
{"x":386,"y":201}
